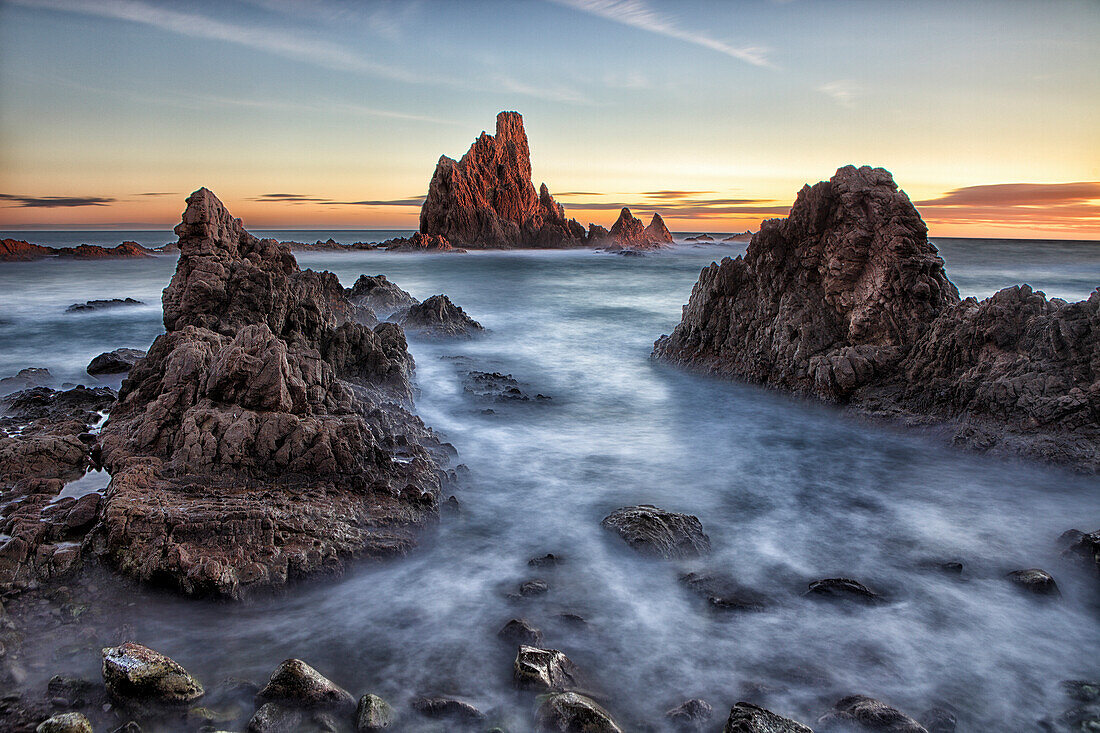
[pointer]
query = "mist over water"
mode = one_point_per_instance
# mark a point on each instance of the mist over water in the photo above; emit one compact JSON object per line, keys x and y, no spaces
{"x":789,"y":491}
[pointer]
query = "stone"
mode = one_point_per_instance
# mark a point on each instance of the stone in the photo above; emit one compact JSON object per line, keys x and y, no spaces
{"x":723,"y":593}
{"x":97,"y":305}
{"x":118,"y":361}
{"x":544,"y":669}
{"x":25,"y":379}
{"x":533,"y":588}
{"x":487,"y":199}
{"x":1081,"y":547}
{"x":748,"y":718}
{"x":938,"y":720}
{"x":744,"y":236}
{"x":448,"y":708}
{"x":519,"y":632}
{"x":657,"y":232}
{"x":1036,"y":581}
{"x":295,"y":683}
{"x":65,"y":723}
{"x":266,"y":435}
{"x":658,"y":533}
{"x":545,"y":561}
{"x":72,"y":692}
{"x":379,"y":294}
{"x":844,"y":589}
{"x":275,"y":718}
{"x":869,"y":714}
{"x":439,"y":317}
{"x":419,"y":243}
{"x":691,"y":714}
{"x":373,"y":713}
{"x":496,"y":387}
{"x":135,"y":672}
{"x":848,"y":301}
{"x":570,"y":712}
{"x":20,"y":250}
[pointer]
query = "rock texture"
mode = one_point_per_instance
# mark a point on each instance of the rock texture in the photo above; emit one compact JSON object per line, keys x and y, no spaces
{"x":544,"y":669}
{"x":14,"y":250}
{"x":118,"y":361}
{"x":866,"y":713}
{"x":296,"y":684}
{"x":658,"y":533}
{"x":846,"y":299}
{"x":437,"y":316}
{"x":569,"y":712}
{"x":136,"y":672}
{"x":379,"y":294}
{"x":20,"y":250}
{"x":657,"y":231}
{"x":486,"y":199}
{"x":265,"y":435}
{"x":95,"y":305}
{"x":748,"y":718}
{"x":628,"y":233}
{"x":418,"y":243}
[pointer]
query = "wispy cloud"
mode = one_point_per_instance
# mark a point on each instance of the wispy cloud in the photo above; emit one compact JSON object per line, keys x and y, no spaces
{"x":638,"y":14}
{"x":1069,"y":206}
{"x":386,"y":19}
{"x":157,"y":194}
{"x":300,"y":198}
{"x":843,"y":91}
{"x":54,"y":202}
{"x":1018,"y":194}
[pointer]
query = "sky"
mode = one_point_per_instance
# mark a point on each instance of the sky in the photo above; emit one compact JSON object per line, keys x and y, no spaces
{"x":331,"y":114}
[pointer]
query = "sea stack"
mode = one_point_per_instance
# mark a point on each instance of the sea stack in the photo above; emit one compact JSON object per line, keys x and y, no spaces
{"x":487,"y":199}
{"x":846,"y":299}
{"x":266,"y":435}
{"x":657,"y":231}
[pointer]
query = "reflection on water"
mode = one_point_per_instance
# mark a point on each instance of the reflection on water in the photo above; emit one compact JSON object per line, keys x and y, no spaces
{"x":788,"y":492}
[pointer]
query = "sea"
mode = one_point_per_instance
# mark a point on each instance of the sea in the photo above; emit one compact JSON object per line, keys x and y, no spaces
{"x":788,"y":490}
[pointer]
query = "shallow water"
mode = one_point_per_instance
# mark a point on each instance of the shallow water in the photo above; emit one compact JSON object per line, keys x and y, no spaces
{"x":788,"y":491}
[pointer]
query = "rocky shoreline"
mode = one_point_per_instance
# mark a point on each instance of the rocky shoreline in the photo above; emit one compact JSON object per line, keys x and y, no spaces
{"x":18,"y":250}
{"x":846,"y":300}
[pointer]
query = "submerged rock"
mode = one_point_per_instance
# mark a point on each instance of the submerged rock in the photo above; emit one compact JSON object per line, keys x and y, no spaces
{"x":1082,"y":548}
{"x":257,"y":441}
{"x":842,"y":589}
{"x":938,"y":720}
{"x":869,"y":714}
{"x":847,"y":300}
{"x":97,"y":305}
{"x":25,"y":379}
{"x":691,"y":714}
{"x":135,"y":672}
{"x":275,"y":718}
{"x":438,"y":316}
{"x":65,"y":723}
{"x":569,"y":712}
{"x":486,"y":199}
{"x":373,"y":713}
{"x":296,"y":683}
{"x":748,"y":718}
{"x":519,"y":632}
{"x":547,"y":669}
{"x":496,"y":386}
{"x":724,"y":593}
{"x":1036,"y":581}
{"x":118,"y":361}
{"x":659,"y":533}
{"x":448,"y":708}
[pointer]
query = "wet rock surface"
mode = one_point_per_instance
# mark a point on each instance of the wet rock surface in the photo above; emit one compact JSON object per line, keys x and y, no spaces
{"x":65,"y":723}
{"x":869,"y":714}
{"x":438,"y":317}
{"x":487,"y":199}
{"x":135,"y":672}
{"x":98,"y":305}
{"x":544,"y":669}
{"x":658,"y":533}
{"x":449,"y":709}
{"x":570,"y":712}
{"x":497,"y":387}
{"x":15,"y":250}
{"x":520,"y":632}
{"x":256,"y":442}
{"x":372,"y":713}
{"x":847,"y":300}
{"x":745,"y":717}
{"x":295,"y":683}
{"x":118,"y":361}
{"x":723,"y":593}
{"x":843,"y":589}
{"x":1035,"y":580}
{"x":25,"y":379}
{"x":689,"y":715}
{"x":379,"y":294}
{"x":419,"y":243}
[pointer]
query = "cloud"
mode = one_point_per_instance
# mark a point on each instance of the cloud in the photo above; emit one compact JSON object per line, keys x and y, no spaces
{"x":1018,"y":194}
{"x":673,"y":194}
{"x":1068,"y":206}
{"x":637,"y":14}
{"x":684,"y":205}
{"x":384,"y":19}
{"x":843,"y":91}
{"x":157,"y":194}
{"x":52,"y":202}
{"x":298,"y":198}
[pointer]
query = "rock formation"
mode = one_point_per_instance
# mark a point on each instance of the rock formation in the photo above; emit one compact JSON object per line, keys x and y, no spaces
{"x":438,"y":316}
{"x":657,"y":231}
{"x":628,"y":234}
{"x":486,"y":199}
{"x":14,"y":250}
{"x":658,"y":533}
{"x":20,"y":250}
{"x":418,"y":243}
{"x":265,"y":435}
{"x":96,"y":305}
{"x":118,"y":361}
{"x":846,"y":299}
{"x":379,"y":294}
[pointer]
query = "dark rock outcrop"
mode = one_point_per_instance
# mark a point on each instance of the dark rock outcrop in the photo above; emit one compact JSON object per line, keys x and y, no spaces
{"x":265,"y":435}
{"x":418,"y":243}
{"x":569,"y":712}
{"x":12,"y":250}
{"x":846,"y":299}
{"x":496,"y":387}
{"x":544,"y":669}
{"x":118,"y":361}
{"x":449,"y":709}
{"x":372,"y":713}
{"x":25,"y":379}
{"x":1036,"y":581}
{"x":65,"y":723}
{"x":723,"y":593}
{"x":744,"y":236}
{"x":629,"y":234}
{"x":296,"y":684}
{"x":659,"y":533}
{"x":379,"y":294}
{"x":520,"y":633}
{"x":748,"y":718}
{"x":1082,"y":547}
{"x":486,"y":199}
{"x":842,"y":589}
{"x":20,"y":250}
{"x":657,"y":232}
{"x":438,"y":317}
{"x":866,"y":713}
{"x":691,"y":714}
{"x":700,"y":238}
{"x":96,"y":305}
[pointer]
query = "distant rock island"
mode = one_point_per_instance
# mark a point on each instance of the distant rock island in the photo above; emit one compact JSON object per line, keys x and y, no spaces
{"x":19,"y":250}
{"x":847,"y":300}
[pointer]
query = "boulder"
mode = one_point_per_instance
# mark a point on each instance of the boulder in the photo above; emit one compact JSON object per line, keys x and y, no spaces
{"x":379,"y":294}
{"x":295,"y":683}
{"x":847,"y":300}
{"x":373,"y":713}
{"x":519,"y":632}
{"x":691,"y":714}
{"x":448,"y":708}
{"x":487,"y":199}
{"x":723,"y":593}
{"x":569,"y":712}
{"x":496,"y":387}
{"x":1082,"y":548}
{"x":275,"y":718}
{"x":748,"y":718}
{"x":533,"y":587}
{"x":867,"y":713}
{"x":98,"y":305}
{"x":658,"y":533}
{"x":544,"y":669}
{"x":439,"y":317}
{"x":1036,"y":581}
{"x":288,"y":414}
{"x":545,"y":561}
{"x":118,"y":361}
{"x":65,"y":723}
{"x":135,"y":672}
{"x":843,"y":589}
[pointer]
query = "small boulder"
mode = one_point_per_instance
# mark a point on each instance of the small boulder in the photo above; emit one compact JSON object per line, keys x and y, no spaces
{"x":272,"y":717}
{"x":1036,"y":581}
{"x":870,"y":714}
{"x":844,"y":589}
{"x":569,"y":712}
{"x":533,"y":588}
{"x":135,"y":672}
{"x":543,"y":561}
{"x":546,"y":669}
{"x":118,"y":361}
{"x":373,"y":713}
{"x":448,"y":708}
{"x":748,"y":718}
{"x":690,"y":715}
{"x":1077,"y":546}
{"x":659,"y":533}
{"x":438,"y":316}
{"x":95,"y":305}
{"x":65,"y":723}
{"x":519,"y":632}
{"x":296,"y":683}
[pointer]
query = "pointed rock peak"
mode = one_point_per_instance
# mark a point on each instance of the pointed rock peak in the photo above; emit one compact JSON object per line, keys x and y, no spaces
{"x":657,"y":231}
{"x":626,"y":221}
{"x":206,"y":223}
{"x":510,"y":126}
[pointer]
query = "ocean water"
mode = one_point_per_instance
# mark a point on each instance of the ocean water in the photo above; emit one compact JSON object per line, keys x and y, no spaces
{"x":789,"y":491}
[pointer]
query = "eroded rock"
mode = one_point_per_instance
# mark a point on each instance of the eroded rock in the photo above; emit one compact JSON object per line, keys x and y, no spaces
{"x":135,"y":672}
{"x":691,"y":714}
{"x":379,"y":294}
{"x":659,"y":533}
{"x":1035,"y":580}
{"x":65,"y":723}
{"x":439,"y":317}
{"x":544,"y":669}
{"x":570,"y":712}
{"x":844,"y":589}
{"x":372,"y":713}
{"x":118,"y":361}
{"x":867,"y":713}
{"x":97,"y":305}
{"x":745,"y":717}
{"x":723,"y":593}
{"x":295,"y":683}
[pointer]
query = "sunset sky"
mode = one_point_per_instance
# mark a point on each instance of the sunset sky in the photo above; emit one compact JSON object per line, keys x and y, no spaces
{"x":332,"y":114}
